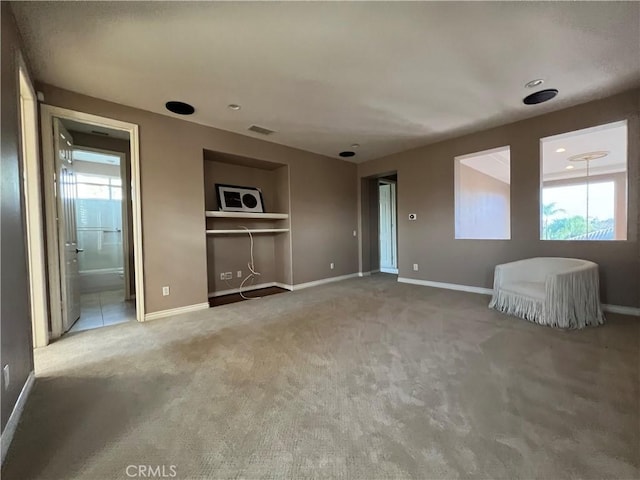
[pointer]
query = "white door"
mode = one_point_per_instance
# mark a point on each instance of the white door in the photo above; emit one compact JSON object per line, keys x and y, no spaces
{"x":388,"y":248}
{"x":67,"y":234}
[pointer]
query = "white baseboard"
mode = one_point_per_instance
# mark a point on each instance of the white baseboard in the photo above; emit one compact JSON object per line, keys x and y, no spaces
{"x":14,"y":418}
{"x":315,"y":283}
{"x":448,"y":286}
{"x":488,"y":291}
{"x":299,"y":286}
{"x":389,"y":270}
{"x":176,"y":311}
{"x":249,"y":288}
{"x":633,"y":311}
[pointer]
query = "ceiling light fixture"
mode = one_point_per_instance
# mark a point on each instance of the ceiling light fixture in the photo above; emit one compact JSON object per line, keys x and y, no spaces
{"x":569,"y":167}
{"x":355,"y":145}
{"x":347,"y":154}
{"x":234,"y":106}
{"x":586,"y":157}
{"x":539,"y":97}
{"x":180,"y":108}
{"x":560,"y":150}
{"x":534,"y":83}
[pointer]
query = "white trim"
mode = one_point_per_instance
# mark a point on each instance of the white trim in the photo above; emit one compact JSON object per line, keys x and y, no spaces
{"x":364,"y":274}
{"x":47,"y":114}
{"x":621,"y":309}
{"x":448,"y":286}
{"x":263,"y":216}
{"x":258,"y":286}
{"x":286,"y":286}
{"x":14,"y":418}
{"x":315,"y":283}
{"x":176,"y":311}
{"x":237,"y":231}
{"x":388,"y":270}
{"x":231,"y":291}
{"x":34,"y":222}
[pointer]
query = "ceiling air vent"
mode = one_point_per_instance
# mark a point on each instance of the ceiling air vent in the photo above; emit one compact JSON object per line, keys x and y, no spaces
{"x":260,"y":130}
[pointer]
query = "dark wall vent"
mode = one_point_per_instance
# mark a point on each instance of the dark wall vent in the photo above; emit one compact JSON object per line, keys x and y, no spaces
{"x":260,"y":130}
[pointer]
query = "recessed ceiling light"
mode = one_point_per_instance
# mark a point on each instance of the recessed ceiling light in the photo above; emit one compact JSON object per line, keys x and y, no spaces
{"x":355,"y":145}
{"x":560,"y":150}
{"x":539,"y":97}
{"x":180,"y":108}
{"x":534,"y":83}
{"x":347,"y":154}
{"x":569,"y":167}
{"x":234,"y":106}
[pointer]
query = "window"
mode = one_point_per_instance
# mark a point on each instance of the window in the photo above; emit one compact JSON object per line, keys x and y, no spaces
{"x":482,"y":195}
{"x":584,"y":184}
{"x":98,"y":187}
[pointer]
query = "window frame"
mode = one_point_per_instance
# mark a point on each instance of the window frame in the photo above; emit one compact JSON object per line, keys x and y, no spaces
{"x":620,"y":179}
{"x":457,"y":191}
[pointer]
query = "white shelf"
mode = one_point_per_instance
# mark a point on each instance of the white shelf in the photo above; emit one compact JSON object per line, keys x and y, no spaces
{"x":241,"y":231}
{"x":264,"y":216}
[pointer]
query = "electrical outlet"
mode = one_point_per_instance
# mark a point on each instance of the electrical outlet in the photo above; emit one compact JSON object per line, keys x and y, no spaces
{"x":331,"y":265}
{"x":228,"y":275}
{"x":165,"y":291}
{"x":6,"y":376}
{"x":239,"y":275}
{"x":355,"y":234}
{"x":415,"y":267}
{"x":222,"y":276}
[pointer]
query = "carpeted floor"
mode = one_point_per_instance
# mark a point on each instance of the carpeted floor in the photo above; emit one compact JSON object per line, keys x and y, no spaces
{"x":362,"y":379}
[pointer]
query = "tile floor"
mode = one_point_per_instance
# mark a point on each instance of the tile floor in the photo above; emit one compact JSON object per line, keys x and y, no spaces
{"x":104,"y":308}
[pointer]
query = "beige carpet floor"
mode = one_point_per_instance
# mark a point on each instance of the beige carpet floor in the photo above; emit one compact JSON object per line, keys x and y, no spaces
{"x":362,"y":379}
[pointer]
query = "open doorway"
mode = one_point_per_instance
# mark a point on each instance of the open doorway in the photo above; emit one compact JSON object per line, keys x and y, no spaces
{"x":93,"y":220}
{"x":387,"y":224}
{"x":103,"y":215}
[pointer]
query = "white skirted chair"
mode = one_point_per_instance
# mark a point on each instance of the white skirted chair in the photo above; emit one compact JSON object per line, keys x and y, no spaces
{"x":553,"y":291}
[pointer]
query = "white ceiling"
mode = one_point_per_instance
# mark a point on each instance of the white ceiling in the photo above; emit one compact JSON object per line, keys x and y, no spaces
{"x":324,"y":75}
{"x":496,"y":163}
{"x":611,"y":138}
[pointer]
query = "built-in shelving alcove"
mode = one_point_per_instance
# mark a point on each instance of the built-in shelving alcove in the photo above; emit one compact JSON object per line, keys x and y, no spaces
{"x":228,"y":241}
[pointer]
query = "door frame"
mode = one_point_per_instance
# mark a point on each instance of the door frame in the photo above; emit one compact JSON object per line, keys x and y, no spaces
{"x":394,"y":228}
{"x":47,"y":114}
{"x":125,"y":218}
{"x":28,"y":125}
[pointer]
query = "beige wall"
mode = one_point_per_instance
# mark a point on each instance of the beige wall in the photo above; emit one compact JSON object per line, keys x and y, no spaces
{"x":323,"y":200}
{"x":426,"y":186}
{"x":14,"y":295}
{"x":483,"y":205}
